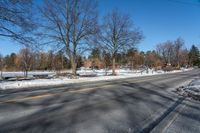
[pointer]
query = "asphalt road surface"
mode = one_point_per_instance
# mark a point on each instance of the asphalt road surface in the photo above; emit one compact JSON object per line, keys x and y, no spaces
{"x":143,"y":104}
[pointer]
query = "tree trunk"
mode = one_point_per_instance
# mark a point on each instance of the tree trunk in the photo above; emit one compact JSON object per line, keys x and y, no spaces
{"x":106,"y":73}
{"x":178,"y":65}
{"x":178,"y":62}
{"x":169,"y":61}
{"x":26,"y":73}
{"x":113,"y":66}
{"x":62,"y":60}
{"x":1,"y":74}
{"x":132,"y":63}
{"x":74,"y":65}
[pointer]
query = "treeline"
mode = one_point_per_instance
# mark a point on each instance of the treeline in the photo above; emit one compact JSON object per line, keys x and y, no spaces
{"x":170,"y":53}
{"x":26,"y":60}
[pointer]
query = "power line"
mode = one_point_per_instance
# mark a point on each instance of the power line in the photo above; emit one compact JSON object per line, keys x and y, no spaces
{"x":184,"y":2}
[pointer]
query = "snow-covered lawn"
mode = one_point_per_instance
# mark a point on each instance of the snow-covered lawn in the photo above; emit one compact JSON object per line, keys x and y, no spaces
{"x":100,"y":76}
{"x":30,"y":74}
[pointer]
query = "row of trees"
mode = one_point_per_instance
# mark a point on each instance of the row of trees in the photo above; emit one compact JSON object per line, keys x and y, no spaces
{"x":170,"y":53}
{"x":27,"y":60}
{"x":173,"y":53}
{"x":73,"y":26}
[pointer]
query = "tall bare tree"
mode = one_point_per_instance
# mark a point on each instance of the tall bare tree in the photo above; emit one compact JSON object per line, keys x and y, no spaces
{"x":69,"y":24}
{"x":131,"y":54}
{"x":106,"y":58}
{"x":118,"y":35}
{"x":26,"y":60}
{"x":16,"y":20}
{"x":170,"y":51}
{"x":178,"y":44}
{"x":151,"y":58}
{"x":184,"y":58}
{"x":165,"y":51}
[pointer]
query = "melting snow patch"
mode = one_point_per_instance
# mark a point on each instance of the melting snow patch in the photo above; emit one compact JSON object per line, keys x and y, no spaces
{"x":192,"y":90}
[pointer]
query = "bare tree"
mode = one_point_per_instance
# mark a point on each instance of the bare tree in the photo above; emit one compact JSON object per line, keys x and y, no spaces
{"x":170,"y":51}
{"x":165,"y":51}
{"x":106,"y":58}
{"x":151,"y":58}
{"x":26,"y":60}
{"x":16,"y":20}
{"x":118,"y":35}
{"x":161,"y":52}
{"x":178,"y":44}
{"x":184,"y":58}
{"x":131,"y":54}
{"x":69,"y":24}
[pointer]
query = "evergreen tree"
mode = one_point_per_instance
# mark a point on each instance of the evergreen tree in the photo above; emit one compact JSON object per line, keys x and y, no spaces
{"x":194,"y":56}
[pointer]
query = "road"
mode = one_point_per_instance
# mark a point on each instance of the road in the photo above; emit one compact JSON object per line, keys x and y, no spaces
{"x":143,"y":104}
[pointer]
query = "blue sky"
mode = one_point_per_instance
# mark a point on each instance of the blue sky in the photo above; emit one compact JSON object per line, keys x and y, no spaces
{"x":160,"y":20}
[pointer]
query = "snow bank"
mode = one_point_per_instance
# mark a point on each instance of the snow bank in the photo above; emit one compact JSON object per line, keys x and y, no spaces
{"x":192,"y":90}
{"x":99,"y":76}
{"x":30,"y":74}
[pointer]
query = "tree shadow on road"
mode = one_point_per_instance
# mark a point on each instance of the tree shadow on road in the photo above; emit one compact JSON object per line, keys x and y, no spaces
{"x":124,"y":107}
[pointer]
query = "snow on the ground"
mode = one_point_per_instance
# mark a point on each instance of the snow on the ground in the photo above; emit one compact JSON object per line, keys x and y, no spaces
{"x":99,"y":76}
{"x":194,"y":87}
{"x":120,"y":72}
{"x":192,"y":90}
{"x":30,"y":74}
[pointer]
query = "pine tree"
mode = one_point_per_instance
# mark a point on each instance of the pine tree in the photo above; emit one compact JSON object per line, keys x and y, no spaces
{"x":194,"y":56}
